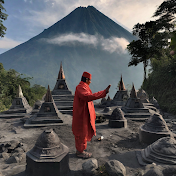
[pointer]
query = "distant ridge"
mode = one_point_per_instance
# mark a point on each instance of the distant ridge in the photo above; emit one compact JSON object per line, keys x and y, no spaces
{"x":82,"y":41}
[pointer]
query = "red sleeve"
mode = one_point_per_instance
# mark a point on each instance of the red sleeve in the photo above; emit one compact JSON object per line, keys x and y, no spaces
{"x":88,"y":96}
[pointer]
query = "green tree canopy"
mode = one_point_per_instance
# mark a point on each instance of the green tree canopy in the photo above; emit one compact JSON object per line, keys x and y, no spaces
{"x":149,"y":44}
{"x":166,"y":13}
{"x":9,"y":81}
{"x":153,"y":36}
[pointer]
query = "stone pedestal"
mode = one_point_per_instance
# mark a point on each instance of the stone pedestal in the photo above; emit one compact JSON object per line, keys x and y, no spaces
{"x":48,"y":157}
{"x":117,"y":119}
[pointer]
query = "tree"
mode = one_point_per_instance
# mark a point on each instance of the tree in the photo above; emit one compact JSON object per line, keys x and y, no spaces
{"x":166,"y":13}
{"x":153,"y":36}
{"x":149,"y":44}
{"x":3,"y":17}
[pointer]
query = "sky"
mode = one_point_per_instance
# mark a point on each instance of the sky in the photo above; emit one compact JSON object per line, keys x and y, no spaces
{"x":28,"y":18}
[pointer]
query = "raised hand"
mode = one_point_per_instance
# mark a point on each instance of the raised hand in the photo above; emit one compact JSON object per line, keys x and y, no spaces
{"x":107,"y":89}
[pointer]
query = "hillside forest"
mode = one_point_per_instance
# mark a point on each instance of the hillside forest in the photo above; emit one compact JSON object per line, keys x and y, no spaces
{"x":156,"y":47}
{"x":9,"y":81}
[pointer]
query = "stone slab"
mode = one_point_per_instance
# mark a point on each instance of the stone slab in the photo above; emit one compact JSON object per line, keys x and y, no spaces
{"x":135,"y":110}
{"x":9,"y":116}
{"x":70,"y":112}
{"x":137,"y":115}
{"x":61,"y":92}
{"x":29,"y":125}
{"x":63,"y":103}
{"x":118,"y":123}
{"x":65,"y":107}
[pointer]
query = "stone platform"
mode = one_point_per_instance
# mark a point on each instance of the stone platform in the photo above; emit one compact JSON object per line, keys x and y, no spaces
{"x":117,"y":119}
{"x":48,"y":157}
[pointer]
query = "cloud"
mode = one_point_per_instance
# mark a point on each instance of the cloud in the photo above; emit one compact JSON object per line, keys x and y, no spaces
{"x":114,"y":44}
{"x":111,"y":45}
{"x":6,"y":43}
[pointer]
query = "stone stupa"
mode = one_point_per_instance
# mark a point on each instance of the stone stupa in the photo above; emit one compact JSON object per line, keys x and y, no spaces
{"x":117,"y":119}
{"x":37,"y":106}
{"x":162,"y":151}
{"x":154,"y":129}
{"x":121,"y":95}
{"x":47,"y":115}
{"x":62,"y":96}
{"x":48,"y":157}
{"x":134,"y":108}
{"x":19,"y":107}
{"x":143,"y":96}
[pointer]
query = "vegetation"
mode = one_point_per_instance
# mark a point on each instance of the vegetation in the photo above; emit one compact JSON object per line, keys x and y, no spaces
{"x":161,"y":81}
{"x":3,"y":17}
{"x":9,"y":81}
{"x":153,"y":36}
{"x":147,"y":46}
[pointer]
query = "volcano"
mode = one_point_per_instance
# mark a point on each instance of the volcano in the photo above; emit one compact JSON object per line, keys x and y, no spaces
{"x":84,"y":40}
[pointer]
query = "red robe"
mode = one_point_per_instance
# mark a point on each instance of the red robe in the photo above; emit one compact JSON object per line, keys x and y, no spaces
{"x":83,"y":123}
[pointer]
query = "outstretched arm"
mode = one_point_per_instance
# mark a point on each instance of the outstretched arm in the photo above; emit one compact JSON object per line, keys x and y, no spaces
{"x":88,"y":96}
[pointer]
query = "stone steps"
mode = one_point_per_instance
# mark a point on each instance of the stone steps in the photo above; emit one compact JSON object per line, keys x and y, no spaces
{"x":64,"y":103}
{"x":65,"y":107}
{"x":61,"y":92}
{"x":70,"y":112}
{"x":63,"y":97}
{"x":63,"y":100}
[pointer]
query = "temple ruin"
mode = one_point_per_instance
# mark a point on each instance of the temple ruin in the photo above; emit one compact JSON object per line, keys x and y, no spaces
{"x":37,"y":107}
{"x":143,"y":96}
{"x":121,"y":95}
{"x":48,"y":157}
{"x":153,"y":129}
{"x":47,"y":115}
{"x":62,"y":96}
{"x":134,"y":108}
{"x":19,"y":107}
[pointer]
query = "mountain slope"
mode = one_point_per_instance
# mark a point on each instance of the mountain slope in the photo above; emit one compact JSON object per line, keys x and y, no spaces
{"x":87,"y":20}
{"x":84,"y":40}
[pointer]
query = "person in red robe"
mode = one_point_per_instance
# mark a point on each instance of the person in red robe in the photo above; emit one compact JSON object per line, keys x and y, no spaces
{"x":83,"y":123}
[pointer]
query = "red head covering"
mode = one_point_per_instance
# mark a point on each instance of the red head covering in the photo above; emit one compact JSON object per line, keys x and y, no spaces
{"x":87,"y":75}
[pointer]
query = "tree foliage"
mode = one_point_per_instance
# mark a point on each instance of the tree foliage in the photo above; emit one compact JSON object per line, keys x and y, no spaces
{"x":3,"y":16}
{"x":161,"y":82}
{"x":153,"y":35}
{"x":149,"y":44}
{"x":9,"y":81}
{"x":166,"y":13}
